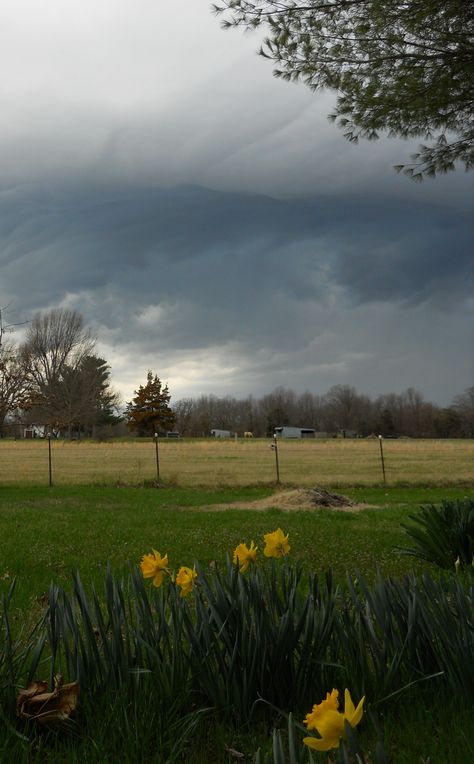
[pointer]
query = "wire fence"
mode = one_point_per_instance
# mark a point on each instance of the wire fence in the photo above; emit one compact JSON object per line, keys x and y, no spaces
{"x":209,"y":462}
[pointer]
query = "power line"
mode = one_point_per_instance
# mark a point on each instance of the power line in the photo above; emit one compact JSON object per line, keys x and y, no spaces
{"x":8,"y":328}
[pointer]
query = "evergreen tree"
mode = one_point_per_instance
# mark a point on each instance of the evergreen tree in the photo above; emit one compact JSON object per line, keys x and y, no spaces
{"x":403,"y":67}
{"x":85,"y":397}
{"x":77,"y":399}
{"x":149,"y":411}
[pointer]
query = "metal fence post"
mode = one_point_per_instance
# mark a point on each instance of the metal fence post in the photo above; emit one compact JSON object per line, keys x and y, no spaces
{"x":382,"y":459}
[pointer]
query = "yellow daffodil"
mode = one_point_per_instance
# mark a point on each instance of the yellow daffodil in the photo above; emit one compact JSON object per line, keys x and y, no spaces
{"x":276,"y":544}
{"x":330,"y":703}
{"x":326,"y":719}
{"x":185,"y":579}
{"x":154,"y":566}
{"x":243,"y":555}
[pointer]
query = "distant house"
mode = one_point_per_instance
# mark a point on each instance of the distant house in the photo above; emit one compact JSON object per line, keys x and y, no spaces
{"x":294,"y":432}
{"x":34,"y":431}
{"x":220,"y":433}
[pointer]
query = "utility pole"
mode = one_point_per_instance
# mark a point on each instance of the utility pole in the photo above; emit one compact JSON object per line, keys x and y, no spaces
{"x":3,"y":328}
{"x":7,"y":328}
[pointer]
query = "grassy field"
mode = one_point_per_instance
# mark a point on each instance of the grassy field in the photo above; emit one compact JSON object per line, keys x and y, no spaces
{"x":46,"y":533}
{"x":206,"y":462}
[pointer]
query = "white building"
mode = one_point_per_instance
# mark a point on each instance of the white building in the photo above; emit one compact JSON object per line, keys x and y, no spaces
{"x":294,"y":432}
{"x":220,"y":433}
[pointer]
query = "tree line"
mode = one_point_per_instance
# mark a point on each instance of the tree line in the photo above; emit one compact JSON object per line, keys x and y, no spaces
{"x":342,"y":411}
{"x":55,"y":380}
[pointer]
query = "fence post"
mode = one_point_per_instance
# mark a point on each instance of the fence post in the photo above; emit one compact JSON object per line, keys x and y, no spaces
{"x":49,"y":460}
{"x":157,"y":459}
{"x":274,"y":446}
{"x":382,"y":459}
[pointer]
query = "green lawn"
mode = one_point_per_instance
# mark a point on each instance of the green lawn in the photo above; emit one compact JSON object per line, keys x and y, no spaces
{"x":46,"y":533}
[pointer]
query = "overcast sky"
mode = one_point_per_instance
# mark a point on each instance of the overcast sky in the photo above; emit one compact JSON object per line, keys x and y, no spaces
{"x":209,"y":222}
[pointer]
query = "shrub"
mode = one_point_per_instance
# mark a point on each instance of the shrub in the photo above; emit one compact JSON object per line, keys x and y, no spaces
{"x":443,"y":535}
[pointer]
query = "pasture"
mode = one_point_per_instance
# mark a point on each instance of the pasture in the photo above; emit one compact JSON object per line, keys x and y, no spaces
{"x":105,"y":511}
{"x":46,"y":533}
{"x":243,"y":462}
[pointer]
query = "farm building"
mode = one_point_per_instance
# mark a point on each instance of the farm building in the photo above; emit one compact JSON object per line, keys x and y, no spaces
{"x":294,"y":432}
{"x":220,"y":433}
{"x":34,"y":431}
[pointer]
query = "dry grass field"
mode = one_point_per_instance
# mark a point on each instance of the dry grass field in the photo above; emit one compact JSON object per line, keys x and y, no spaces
{"x":243,"y":462}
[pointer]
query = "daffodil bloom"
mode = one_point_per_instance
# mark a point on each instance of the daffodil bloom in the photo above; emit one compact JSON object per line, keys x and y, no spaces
{"x":244,"y":556}
{"x":185,"y":579}
{"x":276,"y":544}
{"x":326,"y":719}
{"x":154,"y":566}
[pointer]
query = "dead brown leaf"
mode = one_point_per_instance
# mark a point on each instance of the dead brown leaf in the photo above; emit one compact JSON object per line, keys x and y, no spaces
{"x":48,"y":708}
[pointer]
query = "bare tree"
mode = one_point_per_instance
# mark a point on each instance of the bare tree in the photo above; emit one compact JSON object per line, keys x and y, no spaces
{"x":14,"y":384}
{"x":55,"y":341}
{"x":343,"y":403}
{"x":463,"y":405}
{"x":184,"y":411}
{"x":276,"y":409}
{"x":82,"y":398}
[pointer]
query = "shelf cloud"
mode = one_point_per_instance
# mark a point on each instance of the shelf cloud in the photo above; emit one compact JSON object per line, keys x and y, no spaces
{"x":206,"y":219}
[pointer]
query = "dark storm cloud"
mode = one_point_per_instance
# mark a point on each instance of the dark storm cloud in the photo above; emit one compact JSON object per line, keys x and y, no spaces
{"x":311,"y":262}
{"x":236,"y":293}
{"x":184,"y":243}
{"x":412,"y":252}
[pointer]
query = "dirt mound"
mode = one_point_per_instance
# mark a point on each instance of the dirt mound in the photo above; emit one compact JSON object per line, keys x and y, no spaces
{"x":309,"y":498}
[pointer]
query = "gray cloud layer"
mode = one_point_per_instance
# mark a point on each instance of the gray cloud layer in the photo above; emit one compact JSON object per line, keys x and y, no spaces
{"x":208,"y":221}
{"x":263,"y":287}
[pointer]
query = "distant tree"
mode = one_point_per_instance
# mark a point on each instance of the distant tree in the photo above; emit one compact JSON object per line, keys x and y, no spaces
{"x":183,"y":411}
{"x":82,"y":398}
{"x":448,"y":424}
{"x":463,"y":405}
{"x":404,"y":67}
{"x":417,"y":414}
{"x":149,"y":411}
{"x":205,"y":415}
{"x":309,"y":410}
{"x":344,"y":407}
{"x":277,"y":409}
{"x":100,"y":401}
{"x":245,"y":419}
{"x":385,"y":425}
{"x":14,"y":383}
{"x":56,"y":345}
{"x":388,"y":409}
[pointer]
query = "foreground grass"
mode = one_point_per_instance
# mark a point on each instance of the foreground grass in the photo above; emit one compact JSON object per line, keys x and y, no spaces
{"x":438,"y":732}
{"x":47,"y":533}
{"x":209,"y":462}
